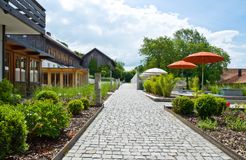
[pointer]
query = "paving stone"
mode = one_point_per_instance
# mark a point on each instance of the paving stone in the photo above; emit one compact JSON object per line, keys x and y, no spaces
{"x":132,"y":126}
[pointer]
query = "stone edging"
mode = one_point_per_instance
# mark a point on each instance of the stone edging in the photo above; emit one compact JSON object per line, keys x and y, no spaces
{"x":70,"y":143}
{"x":221,"y":146}
{"x":159,"y":99}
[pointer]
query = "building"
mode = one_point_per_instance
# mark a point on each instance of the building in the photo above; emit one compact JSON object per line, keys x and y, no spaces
{"x":233,"y":75}
{"x":101,"y":59}
{"x":29,"y":56}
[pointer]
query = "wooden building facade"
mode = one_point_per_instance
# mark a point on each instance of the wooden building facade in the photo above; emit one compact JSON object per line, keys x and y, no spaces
{"x":101,"y":59}
{"x":24,"y":55}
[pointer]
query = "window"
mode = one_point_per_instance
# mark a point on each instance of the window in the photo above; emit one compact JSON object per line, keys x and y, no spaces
{"x":55,"y":79}
{"x":34,"y":71}
{"x":20,"y":69}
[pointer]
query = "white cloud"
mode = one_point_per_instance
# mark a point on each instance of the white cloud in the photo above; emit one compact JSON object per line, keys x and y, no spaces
{"x":118,"y":29}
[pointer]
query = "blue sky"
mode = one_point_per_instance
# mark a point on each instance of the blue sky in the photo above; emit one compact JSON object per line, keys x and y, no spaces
{"x":117,"y":27}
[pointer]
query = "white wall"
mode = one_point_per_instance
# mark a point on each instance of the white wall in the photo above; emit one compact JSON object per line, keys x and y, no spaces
{"x":49,"y":64}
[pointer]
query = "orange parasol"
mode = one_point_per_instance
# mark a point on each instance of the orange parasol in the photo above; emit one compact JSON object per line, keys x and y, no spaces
{"x":203,"y":58}
{"x":182,"y":65}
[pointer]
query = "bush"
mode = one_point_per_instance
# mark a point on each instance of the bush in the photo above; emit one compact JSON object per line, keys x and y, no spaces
{"x":147,"y":85}
{"x":7,"y":93}
{"x":215,"y":89}
{"x":47,"y":94}
{"x":221,"y":106}
{"x":13,"y":131}
{"x":156,"y":87}
{"x":45,"y":118}
{"x":167,"y":83}
{"x":183,"y":105}
{"x":194,"y":84}
{"x":86,"y":103}
{"x":205,"y":106}
{"x":75,"y":106}
{"x":207,"y":124}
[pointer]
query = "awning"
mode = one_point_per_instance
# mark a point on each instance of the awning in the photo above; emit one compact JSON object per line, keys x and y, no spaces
{"x":27,"y":48}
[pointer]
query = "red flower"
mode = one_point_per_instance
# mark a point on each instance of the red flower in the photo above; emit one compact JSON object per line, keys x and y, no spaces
{"x":228,"y":104}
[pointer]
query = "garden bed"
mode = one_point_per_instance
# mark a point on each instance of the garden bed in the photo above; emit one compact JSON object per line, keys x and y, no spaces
{"x":231,"y":142}
{"x":40,"y":148}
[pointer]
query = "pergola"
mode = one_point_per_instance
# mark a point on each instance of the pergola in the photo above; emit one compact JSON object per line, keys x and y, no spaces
{"x":64,"y":77}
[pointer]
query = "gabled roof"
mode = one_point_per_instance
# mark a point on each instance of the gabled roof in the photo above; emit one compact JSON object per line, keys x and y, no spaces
{"x":231,"y":76}
{"x":61,"y":45}
{"x":98,"y":51}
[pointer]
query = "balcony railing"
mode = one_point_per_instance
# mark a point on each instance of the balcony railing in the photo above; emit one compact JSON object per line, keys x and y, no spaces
{"x":28,"y":11}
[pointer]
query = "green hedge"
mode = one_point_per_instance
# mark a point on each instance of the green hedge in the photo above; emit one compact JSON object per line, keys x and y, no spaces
{"x":47,"y":94}
{"x":45,"y":118}
{"x":13,"y":131}
{"x":183,"y":105}
{"x":86,"y":103}
{"x":75,"y":106}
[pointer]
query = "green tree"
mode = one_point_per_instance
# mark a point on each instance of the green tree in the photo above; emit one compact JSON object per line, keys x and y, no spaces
{"x":163,"y":51}
{"x":93,"y":66}
{"x":118,"y":72}
{"x":129,"y":75}
{"x":105,"y":70}
{"x":157,"y":52}
{"x":79,"y":54}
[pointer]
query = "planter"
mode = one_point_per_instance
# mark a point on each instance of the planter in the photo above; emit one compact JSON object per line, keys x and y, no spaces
{"x":212,"y":140}
{"x":231,"y":92}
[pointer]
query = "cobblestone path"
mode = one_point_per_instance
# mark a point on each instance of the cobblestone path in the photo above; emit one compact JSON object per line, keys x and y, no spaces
{"x":131,"y":126}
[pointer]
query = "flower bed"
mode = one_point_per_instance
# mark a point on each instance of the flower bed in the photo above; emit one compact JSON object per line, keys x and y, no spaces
{"x":46,"y":122}
{"x":225,"y":125}
{"x":46,"y":148}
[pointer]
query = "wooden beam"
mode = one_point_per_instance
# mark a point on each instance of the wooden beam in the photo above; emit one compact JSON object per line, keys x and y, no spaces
{"x":17,"y":47}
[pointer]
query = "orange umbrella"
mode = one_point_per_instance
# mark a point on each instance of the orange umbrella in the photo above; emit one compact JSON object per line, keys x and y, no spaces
{"x":203,"y":58}
{"x":182,"y":65}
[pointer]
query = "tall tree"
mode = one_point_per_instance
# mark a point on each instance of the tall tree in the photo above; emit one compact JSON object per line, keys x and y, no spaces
{"x":162,"y":51}
{"x":158,"y":52}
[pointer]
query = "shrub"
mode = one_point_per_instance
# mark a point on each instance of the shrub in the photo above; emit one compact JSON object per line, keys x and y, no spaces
{"x":7,"y":93}
{"x":215,"y":89}
{"x":207,"y":124}
{"x":194,"y":84}
{"x":167,"y":83}
{"x":205,"y":106}
{"x":221,"y":106}
{"x":13,"y":131}
{"x":75,"y":106}
{"x":183,"y":105}
{"x":157,"y":87}
{"x":86,"y":103}
{"x":147,"y":86}
{"x":47,"y":94}
{"x":45,"y":118}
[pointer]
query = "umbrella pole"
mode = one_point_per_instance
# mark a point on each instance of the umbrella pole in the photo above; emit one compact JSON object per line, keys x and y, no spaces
{"x":202,"y":76}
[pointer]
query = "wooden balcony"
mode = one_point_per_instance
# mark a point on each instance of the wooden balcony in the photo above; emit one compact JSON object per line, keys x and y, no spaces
{"x":29,"y":12}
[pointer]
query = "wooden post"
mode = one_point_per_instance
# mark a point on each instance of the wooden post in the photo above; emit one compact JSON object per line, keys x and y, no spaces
{"x":49,"y":79}
{"x":111,"y":82}
{"x":61,"y":79}
{"x":98,"y":89}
